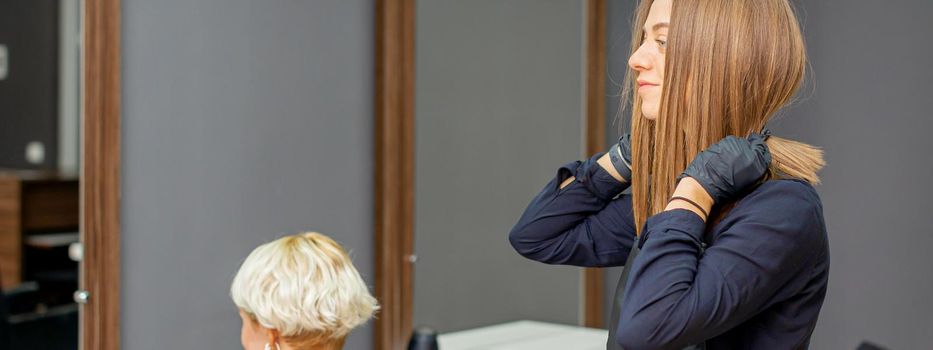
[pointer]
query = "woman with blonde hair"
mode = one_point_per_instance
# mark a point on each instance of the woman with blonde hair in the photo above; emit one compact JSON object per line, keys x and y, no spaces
{"x":300,"y":292}
{"x":722,"y":237}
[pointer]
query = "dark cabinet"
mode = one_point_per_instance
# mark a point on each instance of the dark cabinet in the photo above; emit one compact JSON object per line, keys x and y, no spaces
{"x":29,"y":65}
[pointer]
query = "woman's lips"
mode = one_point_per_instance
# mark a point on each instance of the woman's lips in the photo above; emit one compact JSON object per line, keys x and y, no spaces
{"x":645,"y":86}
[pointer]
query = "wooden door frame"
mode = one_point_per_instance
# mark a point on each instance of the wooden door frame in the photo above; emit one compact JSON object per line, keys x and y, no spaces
{"x":394,"y":170}
{"x":394,"y":162}
{"x":100,"y":177}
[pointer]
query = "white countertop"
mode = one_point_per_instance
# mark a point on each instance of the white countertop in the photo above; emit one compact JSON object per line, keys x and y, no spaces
{"x":525,"y":335}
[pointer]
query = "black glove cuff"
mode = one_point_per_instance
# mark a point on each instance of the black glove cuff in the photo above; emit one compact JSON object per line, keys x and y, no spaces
{"x":619,"y":163}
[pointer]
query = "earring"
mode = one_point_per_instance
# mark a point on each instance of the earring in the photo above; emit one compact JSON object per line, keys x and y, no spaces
{"x":269,"y":347}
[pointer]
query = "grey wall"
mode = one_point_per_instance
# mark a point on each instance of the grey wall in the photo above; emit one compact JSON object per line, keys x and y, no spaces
{"x":869,"y":108}
{"x":242,"y":121}
{"x":498,"y":109}
{"x":69,"y":84}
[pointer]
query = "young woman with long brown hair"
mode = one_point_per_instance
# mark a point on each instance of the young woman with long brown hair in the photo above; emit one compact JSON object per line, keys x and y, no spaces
{"x":722,"y":236}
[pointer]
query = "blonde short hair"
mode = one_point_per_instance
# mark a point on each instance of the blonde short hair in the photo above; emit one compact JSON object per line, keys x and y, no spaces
{"x":305,"y":287}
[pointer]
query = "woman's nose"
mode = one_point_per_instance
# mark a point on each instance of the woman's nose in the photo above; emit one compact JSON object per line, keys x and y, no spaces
{"x":639,"y":60}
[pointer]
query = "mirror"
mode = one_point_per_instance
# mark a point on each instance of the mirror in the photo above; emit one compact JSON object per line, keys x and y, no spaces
{"x":40,"y":107}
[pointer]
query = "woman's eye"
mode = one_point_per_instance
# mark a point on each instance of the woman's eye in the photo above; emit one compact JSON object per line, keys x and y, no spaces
{"x":662,"y":43}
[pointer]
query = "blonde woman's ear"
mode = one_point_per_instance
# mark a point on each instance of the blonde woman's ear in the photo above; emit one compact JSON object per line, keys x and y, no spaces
{"x":273,"y":337}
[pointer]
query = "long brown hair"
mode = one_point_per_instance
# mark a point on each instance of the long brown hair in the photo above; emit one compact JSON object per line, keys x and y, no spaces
{"x":730,"y":66}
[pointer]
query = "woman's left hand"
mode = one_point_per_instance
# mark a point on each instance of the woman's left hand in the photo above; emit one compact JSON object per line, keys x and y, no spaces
{"x":731,"y":165}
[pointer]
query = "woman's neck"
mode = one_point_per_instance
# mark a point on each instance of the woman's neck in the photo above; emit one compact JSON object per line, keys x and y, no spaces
{"x":335,"y":345}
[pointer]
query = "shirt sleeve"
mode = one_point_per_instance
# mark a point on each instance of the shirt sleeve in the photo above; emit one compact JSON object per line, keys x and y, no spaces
{"x":587,"y":223}
{"x":679,"y":295}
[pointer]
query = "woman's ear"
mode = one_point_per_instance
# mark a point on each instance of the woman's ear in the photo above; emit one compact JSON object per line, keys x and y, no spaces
{"x":272,"y":337}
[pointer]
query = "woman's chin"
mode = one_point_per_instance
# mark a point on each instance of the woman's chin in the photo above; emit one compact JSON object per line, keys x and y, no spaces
{"x":649,"y":116}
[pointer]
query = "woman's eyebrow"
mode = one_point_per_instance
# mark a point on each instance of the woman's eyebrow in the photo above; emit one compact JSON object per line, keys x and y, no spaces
{"x":659,"y":25}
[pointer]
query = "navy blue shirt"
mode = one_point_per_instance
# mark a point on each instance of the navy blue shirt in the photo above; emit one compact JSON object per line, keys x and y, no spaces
{"x":754,"y":280}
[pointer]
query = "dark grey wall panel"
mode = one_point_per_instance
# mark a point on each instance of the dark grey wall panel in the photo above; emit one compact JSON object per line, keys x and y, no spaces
{"x":498,"y":110}
{"x":242,"y":121}
{"x":618,"y":39}
{"x":29,"y":85}
{"x":870,"y":108}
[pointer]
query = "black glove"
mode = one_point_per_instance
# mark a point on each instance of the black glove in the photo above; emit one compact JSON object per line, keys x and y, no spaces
{"x":731,"y":165}
{"x":621,"y":156}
